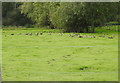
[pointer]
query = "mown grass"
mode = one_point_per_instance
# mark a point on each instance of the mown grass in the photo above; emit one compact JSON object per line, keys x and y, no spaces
{"x":59,"y":58}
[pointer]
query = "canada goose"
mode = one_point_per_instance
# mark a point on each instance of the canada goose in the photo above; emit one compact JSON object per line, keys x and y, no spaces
{"x":27,"y":34}
{"x":70,"y":35}
{"x":111,"y":37}
{"x":49,"y":34}
{"x":76,"y":34}
{"x":102,"y":36}
{"x":20,"y":34}
{"x":53,"y":59}
{"x":67,"y":55}
{"x":44,"y":31}
{"x":37,"y":34}
{"x":85,"y":36}
{"x":12,"y":34}
{"x":93,"y":36}
{"x":60,"y":34}
{"x":41,"y":33}
{"x":48,"y":62}
{"x":90,"y":36}
{"x":64,"y":56}
{"x":31,"y":34}
{"x":79,"y":36}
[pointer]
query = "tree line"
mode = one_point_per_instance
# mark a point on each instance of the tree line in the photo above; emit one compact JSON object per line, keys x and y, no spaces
{"x":70,"y":16}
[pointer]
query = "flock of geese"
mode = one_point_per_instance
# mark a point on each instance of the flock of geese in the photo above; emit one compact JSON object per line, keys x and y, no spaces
{"x":70,"y":35}
{"x":85,"y":36}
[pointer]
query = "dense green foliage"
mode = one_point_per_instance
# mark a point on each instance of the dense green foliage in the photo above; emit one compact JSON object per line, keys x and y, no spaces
{"x":12,"y":16}
{"x":76,"y":16}
{"x":71,"y":16}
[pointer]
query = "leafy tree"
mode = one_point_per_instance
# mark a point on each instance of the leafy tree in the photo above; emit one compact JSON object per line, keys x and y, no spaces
{"x":39,"y":12}
{"x":75,"y":16}
{"x":69,"y":16}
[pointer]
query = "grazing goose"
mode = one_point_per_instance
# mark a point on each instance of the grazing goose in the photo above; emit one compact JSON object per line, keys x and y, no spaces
{"x":53,"y":59}
{"x":90,"y":36}
{"x":44,"y":31}
{"x":60,"y":34}
{"x":67,"y":55}
{"x":20,"y":34}
{"x":49,"y":34}
{"x":70,"y":35}
{"x":48,"y":62}
{"x":85,"y":36}
{"x":41,"y":33}
{"x":79,"y":36}
{"x":37,"y":34}
{"x":27,"y":34}
{"x":102,"y":36}
{"x":31,"y":34}
{"x":12,"y":34}
{"x":76,"y":34}
{"x":64,"y":57}
{"x":93,"y":36}
{"x":111,"y":37}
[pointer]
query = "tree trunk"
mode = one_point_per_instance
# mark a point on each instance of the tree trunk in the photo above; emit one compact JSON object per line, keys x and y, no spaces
{"x":93,"y":28}
{"x":87,"y":29}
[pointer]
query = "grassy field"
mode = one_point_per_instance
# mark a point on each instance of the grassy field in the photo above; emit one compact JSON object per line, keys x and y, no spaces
{"x":59,"y":58}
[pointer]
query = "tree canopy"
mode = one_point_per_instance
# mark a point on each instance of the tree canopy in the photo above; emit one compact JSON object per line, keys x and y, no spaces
{"x":70,"y":16}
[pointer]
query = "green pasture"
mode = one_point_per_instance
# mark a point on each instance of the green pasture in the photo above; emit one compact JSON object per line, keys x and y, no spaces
{"x":59,"y":58}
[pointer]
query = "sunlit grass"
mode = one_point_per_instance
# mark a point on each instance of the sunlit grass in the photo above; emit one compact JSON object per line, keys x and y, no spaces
{"x":59,"y":58}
